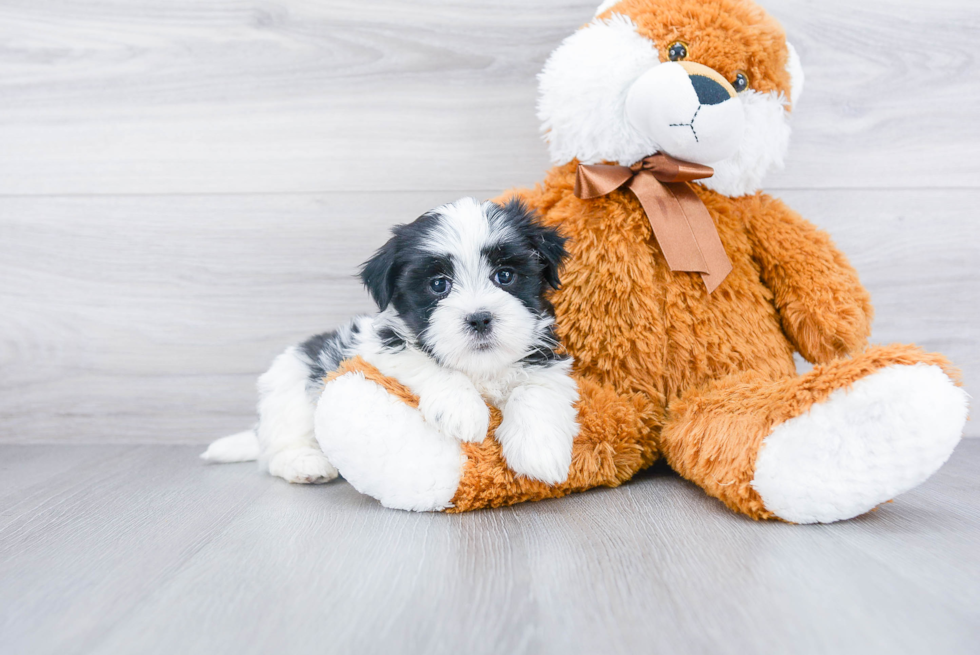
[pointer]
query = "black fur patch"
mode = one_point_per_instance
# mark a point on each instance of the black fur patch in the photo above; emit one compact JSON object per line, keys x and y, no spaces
{"x":537,"y":255}
{"x":399,"y":272}
{"x":546,"y":243}
{"x":381,"y":273}
{"x":324,"y":352}
{"x":545,"y":352}
{"x":390,"y":339}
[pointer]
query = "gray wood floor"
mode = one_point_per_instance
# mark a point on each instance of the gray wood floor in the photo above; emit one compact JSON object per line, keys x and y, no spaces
{"x":142,"y":549}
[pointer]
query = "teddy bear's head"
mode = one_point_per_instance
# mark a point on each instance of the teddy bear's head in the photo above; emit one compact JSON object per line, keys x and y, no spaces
{"x":706,"y":81}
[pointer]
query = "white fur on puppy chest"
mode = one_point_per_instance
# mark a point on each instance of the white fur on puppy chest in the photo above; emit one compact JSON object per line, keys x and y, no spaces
{"x":861,"y":447}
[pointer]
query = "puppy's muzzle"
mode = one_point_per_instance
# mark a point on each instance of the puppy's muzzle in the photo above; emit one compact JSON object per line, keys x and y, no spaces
{"x":689,"y":110}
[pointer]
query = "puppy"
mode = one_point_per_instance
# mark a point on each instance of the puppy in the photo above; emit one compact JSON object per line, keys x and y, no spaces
{"x":463,"y":316}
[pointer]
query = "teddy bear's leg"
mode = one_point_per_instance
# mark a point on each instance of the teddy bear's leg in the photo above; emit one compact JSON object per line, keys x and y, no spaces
{"x":384,"y":448}
{"x":825,"y":446}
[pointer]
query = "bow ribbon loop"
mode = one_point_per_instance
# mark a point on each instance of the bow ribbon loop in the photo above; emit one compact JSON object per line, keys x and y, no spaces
{"x":680,"y":222}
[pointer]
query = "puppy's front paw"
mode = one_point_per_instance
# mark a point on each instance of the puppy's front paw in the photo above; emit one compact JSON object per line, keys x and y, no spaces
{"x":536,"y":437}
{"x":302,"y":466}
{"x":461,"y":415}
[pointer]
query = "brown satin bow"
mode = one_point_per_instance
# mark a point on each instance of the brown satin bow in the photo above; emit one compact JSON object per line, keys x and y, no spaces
{"x":680,"y":221}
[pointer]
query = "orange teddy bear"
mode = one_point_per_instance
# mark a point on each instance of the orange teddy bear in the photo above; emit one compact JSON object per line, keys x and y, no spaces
{"x":686,"y":294}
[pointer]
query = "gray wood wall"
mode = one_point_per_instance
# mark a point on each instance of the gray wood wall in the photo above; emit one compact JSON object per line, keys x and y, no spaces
{"x":187,"y":186}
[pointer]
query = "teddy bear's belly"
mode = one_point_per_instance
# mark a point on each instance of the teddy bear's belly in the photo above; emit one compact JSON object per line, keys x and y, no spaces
{"x":632,"y":323}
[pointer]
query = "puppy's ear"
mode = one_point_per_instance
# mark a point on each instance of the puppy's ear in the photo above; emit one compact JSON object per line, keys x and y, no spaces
{"x":551,"y":248}
{"x":380,"y":272}
{"x":547,"y":242}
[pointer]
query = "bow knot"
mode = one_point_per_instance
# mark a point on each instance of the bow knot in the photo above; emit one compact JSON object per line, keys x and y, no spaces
{"x":680,"y":222}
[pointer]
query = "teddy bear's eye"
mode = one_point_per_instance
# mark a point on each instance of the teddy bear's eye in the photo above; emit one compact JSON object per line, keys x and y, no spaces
{"x":677,"y":51}
{"x":741,"y":82}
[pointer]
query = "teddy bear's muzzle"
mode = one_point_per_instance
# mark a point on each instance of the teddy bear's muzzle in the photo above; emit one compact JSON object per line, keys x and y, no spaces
{"x":689,"y":110}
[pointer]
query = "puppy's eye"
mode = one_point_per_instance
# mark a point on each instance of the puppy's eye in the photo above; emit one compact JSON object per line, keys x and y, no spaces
{"x":440,"y":286}
{"x":741,"y":82}
{"x":677,"y":51}
{"x":504,"y":276}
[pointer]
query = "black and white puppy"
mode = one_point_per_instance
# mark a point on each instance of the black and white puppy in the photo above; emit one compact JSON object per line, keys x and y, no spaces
{"x":463,"y":317}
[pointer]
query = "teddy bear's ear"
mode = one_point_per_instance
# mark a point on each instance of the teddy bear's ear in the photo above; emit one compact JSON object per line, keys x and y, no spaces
{"x":795,"y":70}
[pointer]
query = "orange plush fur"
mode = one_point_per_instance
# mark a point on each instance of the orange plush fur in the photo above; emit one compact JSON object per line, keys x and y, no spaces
{"x":726,"y":35}
{"x":665,"y":368}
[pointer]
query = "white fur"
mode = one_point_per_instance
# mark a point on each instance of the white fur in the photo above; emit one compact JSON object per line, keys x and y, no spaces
{"x":385,"y":448}
{"x":464,"y":232}
{"x":584,"y":87}
{"x":582,"y":93}
{"x":452,"y":385}
{"x":537,"y":403}
{"x":864,"y":445}
{"x":240,"y":447}
{"x":539,"y":424}
{"x":663,"y":106}
{"x":287,"y":446}
{"x":796,"y":77}
{"x":283,"y":440}
{"x":448,"y":399}
{"x":765,"y":141}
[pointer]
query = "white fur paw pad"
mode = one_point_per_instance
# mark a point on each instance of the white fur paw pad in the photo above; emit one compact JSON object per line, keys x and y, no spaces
{"x":302,"y":466}
{"x":861,"y":447}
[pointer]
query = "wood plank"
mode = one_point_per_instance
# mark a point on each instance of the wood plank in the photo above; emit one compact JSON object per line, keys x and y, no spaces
{"x":26,"y":472}
{"x":147,"y":319}
{"x":118,"y":97}
{"x":167,"y":555}
{"x":78,"y":552}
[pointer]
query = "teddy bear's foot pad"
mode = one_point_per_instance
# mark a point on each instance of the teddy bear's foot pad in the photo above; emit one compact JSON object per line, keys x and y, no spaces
{"x":862,"y":446}
{"x":384,"y":447}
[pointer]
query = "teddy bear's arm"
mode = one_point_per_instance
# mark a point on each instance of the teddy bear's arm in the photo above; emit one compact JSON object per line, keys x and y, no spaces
{"x":825,"y":311}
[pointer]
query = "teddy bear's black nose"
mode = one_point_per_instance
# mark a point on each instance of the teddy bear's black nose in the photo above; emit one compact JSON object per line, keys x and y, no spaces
{"x":709,"y":91}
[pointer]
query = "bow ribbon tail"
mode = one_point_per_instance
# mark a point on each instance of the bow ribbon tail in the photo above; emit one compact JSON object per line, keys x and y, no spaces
{"x":668,"y":220}
{"x":683,"y":228}
{"x":705,"y":234}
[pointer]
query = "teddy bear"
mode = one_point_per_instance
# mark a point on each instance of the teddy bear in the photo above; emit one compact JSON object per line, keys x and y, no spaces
{"x":687,"y":292}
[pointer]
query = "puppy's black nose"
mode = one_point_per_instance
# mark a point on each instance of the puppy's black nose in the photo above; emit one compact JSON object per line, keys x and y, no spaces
{"x":480,"y":322}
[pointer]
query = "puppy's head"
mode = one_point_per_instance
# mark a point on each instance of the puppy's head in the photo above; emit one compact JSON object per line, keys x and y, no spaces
{"x":467,"y":284}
